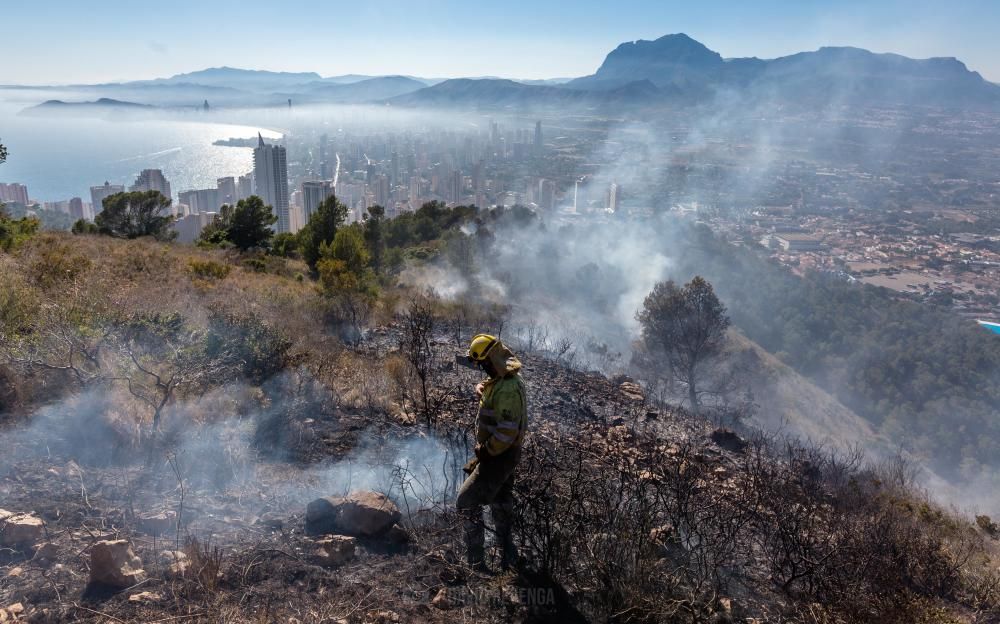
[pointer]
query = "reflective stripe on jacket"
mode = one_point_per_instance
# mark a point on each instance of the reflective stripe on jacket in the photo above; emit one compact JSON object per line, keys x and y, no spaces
{"x":503,"y":414}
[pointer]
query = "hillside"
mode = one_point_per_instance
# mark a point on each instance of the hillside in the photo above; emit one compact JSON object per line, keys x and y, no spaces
{"x":262,"y":408}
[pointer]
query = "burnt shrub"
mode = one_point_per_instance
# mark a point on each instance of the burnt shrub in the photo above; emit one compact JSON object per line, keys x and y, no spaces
{"x":259,"y":350}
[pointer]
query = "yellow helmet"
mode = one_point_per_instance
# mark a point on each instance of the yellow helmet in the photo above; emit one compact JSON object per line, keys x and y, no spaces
{"x":480,"y":347}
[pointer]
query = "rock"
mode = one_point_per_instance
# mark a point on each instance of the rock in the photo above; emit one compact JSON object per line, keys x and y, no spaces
{"x":729,"y":440}
{"x":11,"y":613}
{"x":19,"y":529}
{"x":145,"y":596}
{"x":15,"y":572}
{"x":397,"y":535}
{"x":175,"y":562}
{"x":158,"y":524}
{"x":46,"y":553}
{"x":441,"y":600}
{"x":720,"y":473}
{"x":113,"y":563}
{"x":362,"y":514}
{"x":632,"y":390}
{"x":381,"y":617}
{"x":335,"y":550}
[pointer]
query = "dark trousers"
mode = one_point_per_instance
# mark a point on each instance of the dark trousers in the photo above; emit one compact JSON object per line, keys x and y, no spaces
{"x":491,"y":483}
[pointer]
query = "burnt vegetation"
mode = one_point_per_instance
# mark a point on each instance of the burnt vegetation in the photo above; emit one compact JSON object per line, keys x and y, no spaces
{"x":192,"y":402}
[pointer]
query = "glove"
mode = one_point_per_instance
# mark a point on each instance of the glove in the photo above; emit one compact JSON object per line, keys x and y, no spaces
{"x":470,"y":465}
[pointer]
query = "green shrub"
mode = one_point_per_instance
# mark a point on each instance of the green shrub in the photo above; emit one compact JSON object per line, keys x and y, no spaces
{"x":209,"y":269}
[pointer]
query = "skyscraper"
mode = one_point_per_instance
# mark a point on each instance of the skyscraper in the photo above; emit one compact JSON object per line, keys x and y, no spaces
{"x":614,"y":197}
{"x":226,"y":190}
{"x":270,"y":172}
{"x":14,"y":192}
{"x":313,"y":194}
{"x":538,"y":137}
{"x":98,"y":193}
{"x":76,"y":208}
{"x":244,"y":186}
{"x":152,"y":180}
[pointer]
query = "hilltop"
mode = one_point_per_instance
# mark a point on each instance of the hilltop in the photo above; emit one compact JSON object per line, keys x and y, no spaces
{"x":266,"y":404}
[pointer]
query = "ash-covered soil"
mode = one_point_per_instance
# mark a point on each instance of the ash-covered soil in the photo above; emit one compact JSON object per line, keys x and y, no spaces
{"x":237,"y":511}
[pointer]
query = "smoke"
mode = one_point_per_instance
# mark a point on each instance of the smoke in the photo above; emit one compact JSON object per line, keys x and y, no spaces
{"x":210,"y":448}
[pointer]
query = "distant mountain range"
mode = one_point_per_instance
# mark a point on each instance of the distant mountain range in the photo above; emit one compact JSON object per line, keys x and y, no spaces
{"x":678,"y":69}
{"x":101,"y":107}
{"x":674,"y":69}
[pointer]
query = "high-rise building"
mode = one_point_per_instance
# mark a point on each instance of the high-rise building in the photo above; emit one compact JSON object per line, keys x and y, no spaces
{"x":14,"y":193}
{"x":244,"y":186}
{"x":200,"y":201}
{"x":457,"y":186}
{"x":98,"y":193}
{"x":226,"y":191}
{"x":414,"y":192}
{"x":614,"y":197}
{"x":381,"y":188}
{"x":76,"y":208}
{"x":152,"y":180}
{"x":313,"y":194}
{"x":546,"y":194}
{"x":270,"y":173}
{"x":538,"y":136}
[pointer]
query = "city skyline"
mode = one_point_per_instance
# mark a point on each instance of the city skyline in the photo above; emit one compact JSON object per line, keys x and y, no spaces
{"x":554,"y":42}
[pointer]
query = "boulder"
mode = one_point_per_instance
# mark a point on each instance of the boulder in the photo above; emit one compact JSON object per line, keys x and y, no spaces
{"x":397,"y":535}
{"x":335,"y":550}
{"x":729,"y":440}
{"x":113,"y":563}
{"x":11,"y":613}
{"x":19,"y":529}
{"x":361,"y":514}
{"x":441,"y":600}
{"x":632,"y":391}
{"x":175,"y":562}
{"x":162,"y":523}
{"x":46,"y":553}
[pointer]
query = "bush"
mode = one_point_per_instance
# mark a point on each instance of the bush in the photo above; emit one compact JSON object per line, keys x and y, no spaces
{"x":209,"y":269}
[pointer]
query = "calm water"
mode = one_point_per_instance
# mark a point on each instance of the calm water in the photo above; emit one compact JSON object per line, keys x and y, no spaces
{"x":61,"y":158}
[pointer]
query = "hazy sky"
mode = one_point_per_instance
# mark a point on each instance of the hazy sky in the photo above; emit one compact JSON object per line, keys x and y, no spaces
{"x":75,"y":41}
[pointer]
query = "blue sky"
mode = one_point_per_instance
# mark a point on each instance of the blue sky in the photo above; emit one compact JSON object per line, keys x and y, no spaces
{"x":76,"y":41}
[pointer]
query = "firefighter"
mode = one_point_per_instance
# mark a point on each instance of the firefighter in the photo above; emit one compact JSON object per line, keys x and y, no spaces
{"x":501,"y":424}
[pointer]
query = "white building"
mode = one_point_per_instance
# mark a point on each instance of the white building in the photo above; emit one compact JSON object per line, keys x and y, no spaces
{"x":270,"y":172}
{"x":315,"y":193}
{"x":152,"y":180}
{"x":98,"y":193}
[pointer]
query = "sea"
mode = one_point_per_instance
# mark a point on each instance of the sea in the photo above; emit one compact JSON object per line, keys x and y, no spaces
{"x":58,"y":158}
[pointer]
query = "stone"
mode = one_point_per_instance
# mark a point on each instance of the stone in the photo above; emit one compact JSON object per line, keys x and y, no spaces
{"x":11,"y":613}
{"x":632,"y":390}
{"x":162,"y":523}
{"x":729,"y":440}
{"x":15,"y":572}
{"x":113,"y":563}
{"x":175,"y":562}
{"x":146,"y":596}
{"x":397,"y":535}
{"x":335,"y":550}
{"x":361,"y":514}
{"x":19,"y":529}
{"x":45,"y":553}
{"x":382,"y":617}
{"x":441,"y":600}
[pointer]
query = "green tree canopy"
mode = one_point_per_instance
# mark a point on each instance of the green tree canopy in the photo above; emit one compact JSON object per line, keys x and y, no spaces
{"x":685,"y":325}
{"x":251,"y":223}
{"x":375,"y":237}
{"x":135,"y":214}
{"x":247,"y":225}
{"x":322,"y":228}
